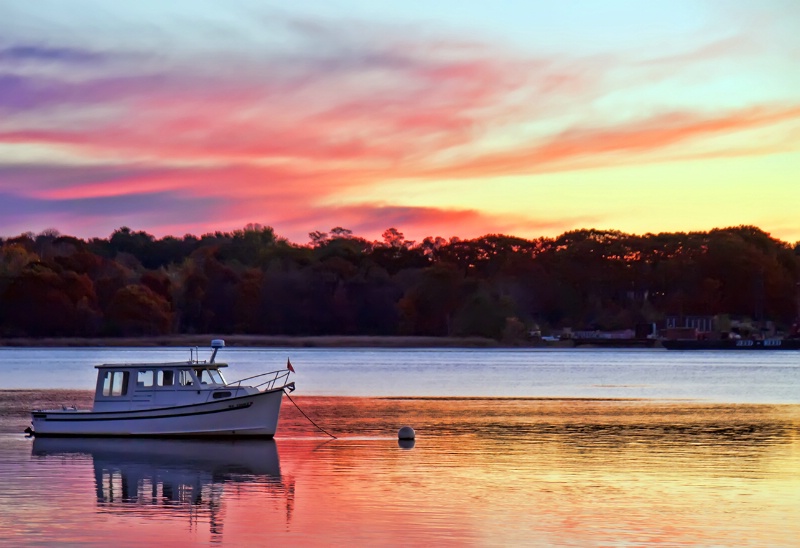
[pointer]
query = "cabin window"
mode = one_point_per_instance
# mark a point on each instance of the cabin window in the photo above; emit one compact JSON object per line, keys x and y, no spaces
{"x":115,"y":383}
{"x":209,"y":376}
{"x":144,"y":379}
{"x":220,"y":395}
{"x":165,"y":378}
{"x":216,"y":378}
{"x":185,"y":377}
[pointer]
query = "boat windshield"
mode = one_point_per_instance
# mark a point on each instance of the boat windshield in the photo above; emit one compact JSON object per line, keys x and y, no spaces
{"x":209,"y":376}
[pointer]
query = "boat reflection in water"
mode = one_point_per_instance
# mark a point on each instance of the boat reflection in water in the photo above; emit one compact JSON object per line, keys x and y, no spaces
{"x":170,"y":478}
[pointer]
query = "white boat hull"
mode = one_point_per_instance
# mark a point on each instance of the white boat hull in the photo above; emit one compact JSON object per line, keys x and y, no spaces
{"x":254,"y":415}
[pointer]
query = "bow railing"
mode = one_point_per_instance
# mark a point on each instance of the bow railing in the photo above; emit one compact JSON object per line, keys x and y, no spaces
{"x":270,"y":380}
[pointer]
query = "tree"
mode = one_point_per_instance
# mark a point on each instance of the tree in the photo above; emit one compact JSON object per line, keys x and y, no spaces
{"x":427,"y":307}
{"x":393,"y":238}
{"x":317,"y":238}
{"x":249,"y":246}
{"x":251,"y":280}
{"x":41,"y":301}
{"x":483,"y":314}
{"x":138,"y":310}
{"x":14,"y":257}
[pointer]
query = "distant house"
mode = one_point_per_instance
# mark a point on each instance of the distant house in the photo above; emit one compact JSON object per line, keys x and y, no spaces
{"x":703,"y":324}
{"x":690,"y":327}
{"x":609,"y":335}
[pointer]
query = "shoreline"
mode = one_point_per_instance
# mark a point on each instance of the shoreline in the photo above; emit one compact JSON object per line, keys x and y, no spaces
{"x":322,"y":341}
{"x":316,"y":341}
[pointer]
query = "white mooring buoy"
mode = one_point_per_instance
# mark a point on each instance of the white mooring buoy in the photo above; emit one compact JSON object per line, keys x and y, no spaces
{"x":406,"y":433}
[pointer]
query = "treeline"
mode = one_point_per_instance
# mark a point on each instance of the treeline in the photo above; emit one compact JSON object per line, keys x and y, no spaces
{"x":251,"y":281}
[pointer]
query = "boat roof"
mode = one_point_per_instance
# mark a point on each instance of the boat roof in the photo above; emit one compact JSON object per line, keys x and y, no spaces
{"x":188,"y":365}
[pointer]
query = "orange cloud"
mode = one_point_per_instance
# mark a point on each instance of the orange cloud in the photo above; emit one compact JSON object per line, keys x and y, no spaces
{"x":599,"y":147}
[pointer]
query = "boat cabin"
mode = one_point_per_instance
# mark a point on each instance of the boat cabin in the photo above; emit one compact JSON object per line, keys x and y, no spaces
{"x":122,"y":387}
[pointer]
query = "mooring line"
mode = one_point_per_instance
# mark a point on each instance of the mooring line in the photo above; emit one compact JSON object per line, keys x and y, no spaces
{"x":307,"y":417}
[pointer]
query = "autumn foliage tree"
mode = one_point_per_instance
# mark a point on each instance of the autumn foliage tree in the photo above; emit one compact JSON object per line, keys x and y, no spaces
{"x":253,"y":281}
{"x":138,"y":310}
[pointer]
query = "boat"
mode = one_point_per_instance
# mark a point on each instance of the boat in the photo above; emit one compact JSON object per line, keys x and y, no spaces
{"x":172,"y":399}
{"x":731,"y":344}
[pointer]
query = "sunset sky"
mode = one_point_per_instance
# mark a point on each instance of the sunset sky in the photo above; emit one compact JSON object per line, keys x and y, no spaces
{"x":446,"y":118}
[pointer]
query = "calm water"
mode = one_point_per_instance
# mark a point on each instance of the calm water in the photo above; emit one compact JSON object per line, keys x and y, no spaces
{"x":731,"y":377}
{"x":586,"y":448}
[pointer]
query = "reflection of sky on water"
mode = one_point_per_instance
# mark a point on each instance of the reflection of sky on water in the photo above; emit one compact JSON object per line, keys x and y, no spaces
{"x":482,"y":471}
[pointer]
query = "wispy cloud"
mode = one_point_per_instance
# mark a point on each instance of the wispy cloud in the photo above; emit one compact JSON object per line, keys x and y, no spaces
{"x":41,"y":53}
{"x":101,"y":215}
{"x":596,"y":147}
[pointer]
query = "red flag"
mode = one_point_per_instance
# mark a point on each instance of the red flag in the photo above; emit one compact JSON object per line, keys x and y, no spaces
{"x":289,"y":365}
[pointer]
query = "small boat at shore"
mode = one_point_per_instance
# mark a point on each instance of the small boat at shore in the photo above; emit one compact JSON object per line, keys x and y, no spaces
{"x":172,"y":399}
{"x":731,"y":344}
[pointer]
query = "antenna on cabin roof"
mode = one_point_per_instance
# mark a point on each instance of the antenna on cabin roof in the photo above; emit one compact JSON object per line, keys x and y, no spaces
{"x":216,"y":344}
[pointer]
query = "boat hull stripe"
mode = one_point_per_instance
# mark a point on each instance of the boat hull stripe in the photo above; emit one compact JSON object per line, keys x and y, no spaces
{"x":63,"y":417}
